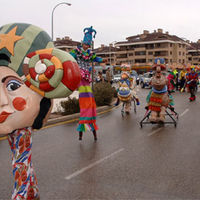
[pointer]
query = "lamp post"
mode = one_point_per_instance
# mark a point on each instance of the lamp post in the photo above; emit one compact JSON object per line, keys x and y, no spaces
{"x":69,"y":4}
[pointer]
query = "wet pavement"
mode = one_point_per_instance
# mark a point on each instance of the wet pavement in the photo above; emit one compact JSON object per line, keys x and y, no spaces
{"x":127,"y":162}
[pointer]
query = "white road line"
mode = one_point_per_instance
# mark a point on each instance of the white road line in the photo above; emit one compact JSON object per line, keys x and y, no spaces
{"x":92,"y":165}
{"x":184,"y":112}
{"x":157,"y":130}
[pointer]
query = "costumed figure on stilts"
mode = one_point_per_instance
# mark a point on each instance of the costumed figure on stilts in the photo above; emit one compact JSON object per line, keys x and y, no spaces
{"x":158,"y":99}
{"x":125,"y":91}
{"x":192,"y":80}
{"x":32,"y":72}
{"x":84,"y":57}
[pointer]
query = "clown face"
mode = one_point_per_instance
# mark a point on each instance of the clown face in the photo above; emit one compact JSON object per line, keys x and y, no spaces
{"x":19,"y":105}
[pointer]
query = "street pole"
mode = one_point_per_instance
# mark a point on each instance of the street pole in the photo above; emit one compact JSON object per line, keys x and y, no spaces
{"x":92,"y":67}
{"x":69,"y":4}
{"x":110,"y":53}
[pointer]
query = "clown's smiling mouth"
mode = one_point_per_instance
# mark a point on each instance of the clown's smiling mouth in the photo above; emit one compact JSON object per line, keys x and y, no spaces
{"x":3,"y":116}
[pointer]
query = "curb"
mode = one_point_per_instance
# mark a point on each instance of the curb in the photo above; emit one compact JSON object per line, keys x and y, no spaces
{"x":72,"y":118}
{"x":75,"y":117}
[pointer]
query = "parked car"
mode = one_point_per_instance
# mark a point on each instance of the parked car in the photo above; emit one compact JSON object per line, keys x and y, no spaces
{"x":145,"y":79}
{"x":135,"y":75}
{"x":116,"y":78}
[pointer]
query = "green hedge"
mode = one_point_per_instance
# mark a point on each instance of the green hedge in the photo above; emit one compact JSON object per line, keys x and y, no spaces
{"x":103,"y":94}
{"x":70,"y":106}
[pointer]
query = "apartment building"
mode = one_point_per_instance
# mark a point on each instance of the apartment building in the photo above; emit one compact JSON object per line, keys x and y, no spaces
{"x":193,"y":53}
{"x":66,"y":43}
{"x":142,"y":49}
{"x":107,"y":52}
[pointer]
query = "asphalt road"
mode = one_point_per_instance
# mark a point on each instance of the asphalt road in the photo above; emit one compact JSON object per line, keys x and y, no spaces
{"x":127,"y":162}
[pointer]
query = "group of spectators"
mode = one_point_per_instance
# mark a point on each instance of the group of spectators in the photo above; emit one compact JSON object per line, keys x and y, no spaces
{"x":178,"y":79}
{"x":108,"y":77}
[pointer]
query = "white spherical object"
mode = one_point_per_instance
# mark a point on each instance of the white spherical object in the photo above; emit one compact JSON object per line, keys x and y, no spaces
{"x":40,"y":67}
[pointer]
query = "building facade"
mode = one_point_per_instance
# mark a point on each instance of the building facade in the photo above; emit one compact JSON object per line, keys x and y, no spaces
{"x":66,"y":44}
{"x":107,"y":52}
{"x":142,"y":49}
{"x":193,"y":53}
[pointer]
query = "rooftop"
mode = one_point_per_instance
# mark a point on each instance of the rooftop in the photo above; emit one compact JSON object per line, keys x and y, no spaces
{"x":148,"y":37}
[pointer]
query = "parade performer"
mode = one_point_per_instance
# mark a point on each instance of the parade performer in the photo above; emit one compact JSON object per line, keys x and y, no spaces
{"x":84,"y":57}
{"x":183,"y":79}
{"x":32,"y":72}
{"x":192,"y":79}
{"x":158,"y":98}
{"x":126,"y":91}
{"x":171,"y":81}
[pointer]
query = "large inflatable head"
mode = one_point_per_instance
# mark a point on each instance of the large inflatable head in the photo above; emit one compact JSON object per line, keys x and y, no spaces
{"x":32,"y":71}
{"x":159,"y":64}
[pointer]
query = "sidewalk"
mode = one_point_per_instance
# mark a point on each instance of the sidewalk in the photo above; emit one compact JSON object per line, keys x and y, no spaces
{"x":56,"y":118}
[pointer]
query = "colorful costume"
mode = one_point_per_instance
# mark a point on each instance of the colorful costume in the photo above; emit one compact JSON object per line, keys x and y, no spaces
{"x":192,"y":79}
{"x":86,"y":98}
{"x":182,"y":80}
{"x":33,"y":72}
{"x":25,"y":180}
{"x":158,"y":98}
{"x":171,"y":81}
{"x":126,"y":91}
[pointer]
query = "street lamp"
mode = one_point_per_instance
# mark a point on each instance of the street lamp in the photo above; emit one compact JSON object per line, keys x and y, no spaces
{"x":69,"y":4}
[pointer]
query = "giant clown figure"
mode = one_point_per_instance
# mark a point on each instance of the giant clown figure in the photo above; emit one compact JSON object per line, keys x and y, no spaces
{"x":32,"y":72}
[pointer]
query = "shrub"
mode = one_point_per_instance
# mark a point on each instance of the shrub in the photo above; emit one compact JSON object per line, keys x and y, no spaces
{"x":70,"y":106}
{"x":103,"y":93}
{"x":114,"y":92}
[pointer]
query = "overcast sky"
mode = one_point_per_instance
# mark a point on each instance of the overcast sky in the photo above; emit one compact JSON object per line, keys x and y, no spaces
{"x":114,"y":20}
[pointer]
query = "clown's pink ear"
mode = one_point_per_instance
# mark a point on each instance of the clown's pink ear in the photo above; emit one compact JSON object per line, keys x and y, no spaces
{"x":52,"y":73}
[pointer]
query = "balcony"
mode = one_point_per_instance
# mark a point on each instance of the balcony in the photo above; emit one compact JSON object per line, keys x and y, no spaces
{"x":121,"y":52}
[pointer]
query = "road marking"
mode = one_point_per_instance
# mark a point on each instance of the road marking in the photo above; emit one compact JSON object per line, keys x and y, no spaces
{"x":157,"y":130}
{"x":3,"y":138}
{"x":76,"y":119}
{"x":184,"y":112}
{"x":93,"y":164}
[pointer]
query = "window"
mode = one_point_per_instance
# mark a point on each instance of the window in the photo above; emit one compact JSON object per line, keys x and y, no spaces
{"x":170,"y":52}
{"x":140,"y":61}
{"x":150,"y":53}
{"x":149,"y":46}
{"x":179,"y":53}
{"x":157,"y":45}
{"x":140,"y":53}
{"x":130,"y":54}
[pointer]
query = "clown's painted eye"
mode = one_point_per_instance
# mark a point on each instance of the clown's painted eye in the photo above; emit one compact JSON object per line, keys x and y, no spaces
{"x":13,"y":85}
